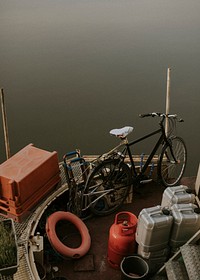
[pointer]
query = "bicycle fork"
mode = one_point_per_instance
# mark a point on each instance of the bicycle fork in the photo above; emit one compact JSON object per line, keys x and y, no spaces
{"x":174,"y":161}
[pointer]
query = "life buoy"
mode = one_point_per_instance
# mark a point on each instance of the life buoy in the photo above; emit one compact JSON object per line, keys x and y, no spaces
{"x":55,"y":241}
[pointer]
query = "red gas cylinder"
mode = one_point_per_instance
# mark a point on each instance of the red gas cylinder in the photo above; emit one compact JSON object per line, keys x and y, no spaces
{"x":121,"y":241}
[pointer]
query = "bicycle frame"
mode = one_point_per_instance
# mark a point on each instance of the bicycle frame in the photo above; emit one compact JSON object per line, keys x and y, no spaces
{"x":127,"y":150}
{"x":151,"y":155}
{"x":115,"y":153}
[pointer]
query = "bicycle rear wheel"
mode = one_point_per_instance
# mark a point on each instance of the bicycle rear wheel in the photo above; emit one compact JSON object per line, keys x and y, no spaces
{"x":172,"y":162}
{"x":108,"y":186}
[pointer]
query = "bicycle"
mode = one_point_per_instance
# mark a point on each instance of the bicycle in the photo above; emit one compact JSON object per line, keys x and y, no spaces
{"x":111,"y":177}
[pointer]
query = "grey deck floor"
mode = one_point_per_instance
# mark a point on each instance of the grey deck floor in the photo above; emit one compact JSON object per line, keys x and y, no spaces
{"x":94,"y":265}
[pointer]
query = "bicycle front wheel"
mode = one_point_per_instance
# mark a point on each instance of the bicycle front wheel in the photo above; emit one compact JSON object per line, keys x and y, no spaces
{"x":172,"y":162}
{"x":108,"y":186}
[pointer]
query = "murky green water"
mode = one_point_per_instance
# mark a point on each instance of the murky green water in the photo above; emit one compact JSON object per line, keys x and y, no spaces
{"x":73,"y":70}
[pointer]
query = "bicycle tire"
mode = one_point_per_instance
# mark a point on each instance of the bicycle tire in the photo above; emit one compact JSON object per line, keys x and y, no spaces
{"x":108,"y":175}
{"x":170,"y":172}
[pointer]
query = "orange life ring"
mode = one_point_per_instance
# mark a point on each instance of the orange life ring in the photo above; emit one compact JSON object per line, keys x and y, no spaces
{"x":55,"y":241}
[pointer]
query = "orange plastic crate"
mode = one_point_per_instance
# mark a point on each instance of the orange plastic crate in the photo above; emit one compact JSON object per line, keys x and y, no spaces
{"x":25,"y":179}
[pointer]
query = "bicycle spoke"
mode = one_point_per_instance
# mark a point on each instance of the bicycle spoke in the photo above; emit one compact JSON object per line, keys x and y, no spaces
{"x":172,"y":162}
{"x":108,"y":186}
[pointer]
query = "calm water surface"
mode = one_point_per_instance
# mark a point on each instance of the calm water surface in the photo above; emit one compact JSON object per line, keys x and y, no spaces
{"x":73,"y":70}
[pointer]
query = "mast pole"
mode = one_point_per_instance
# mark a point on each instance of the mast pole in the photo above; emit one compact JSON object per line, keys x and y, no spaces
{"x":168,"y":100}
{"x":5,"y":125}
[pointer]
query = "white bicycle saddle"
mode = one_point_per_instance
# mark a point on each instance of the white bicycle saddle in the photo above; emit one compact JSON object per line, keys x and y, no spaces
{"x":121,"y":132}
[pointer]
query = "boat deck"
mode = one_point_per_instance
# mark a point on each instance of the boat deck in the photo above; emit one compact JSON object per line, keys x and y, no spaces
{"x":94,"y":264}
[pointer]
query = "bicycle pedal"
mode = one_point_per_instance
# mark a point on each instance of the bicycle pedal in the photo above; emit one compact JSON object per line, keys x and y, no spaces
{"x":146,"y":181}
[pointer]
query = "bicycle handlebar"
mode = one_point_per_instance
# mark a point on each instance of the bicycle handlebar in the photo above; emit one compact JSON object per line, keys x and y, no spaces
{"x":160,"y":115}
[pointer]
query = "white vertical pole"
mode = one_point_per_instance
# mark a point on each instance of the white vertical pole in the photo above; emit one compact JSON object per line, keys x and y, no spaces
{"x":5,"y":126}
{"x":168,"y":99}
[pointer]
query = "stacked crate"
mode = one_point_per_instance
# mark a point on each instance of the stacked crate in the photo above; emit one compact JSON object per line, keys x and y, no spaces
{"x":25,"y":179}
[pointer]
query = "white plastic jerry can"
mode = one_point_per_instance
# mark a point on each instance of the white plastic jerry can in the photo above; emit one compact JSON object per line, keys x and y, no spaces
{"x":153,"y":230}
{"x":177,"y":195}
{"x":186,"y":223}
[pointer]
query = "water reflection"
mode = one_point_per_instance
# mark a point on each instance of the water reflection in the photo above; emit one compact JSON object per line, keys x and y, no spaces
{"x":72,"y":70}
